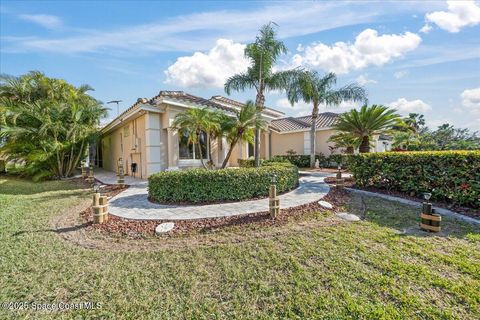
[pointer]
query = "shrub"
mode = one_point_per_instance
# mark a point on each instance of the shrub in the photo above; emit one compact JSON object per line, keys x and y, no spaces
{"x":452,"y":176}
{"x":199,"y":185}
{"x":250,"y":163}
{"x":247,"y":163}
{"x":303,"y":160}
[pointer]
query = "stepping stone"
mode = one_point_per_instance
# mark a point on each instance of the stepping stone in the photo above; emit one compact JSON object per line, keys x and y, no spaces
{"x":325,"y":204}
{"x":348,"y":216}
{"x":164,"y":227}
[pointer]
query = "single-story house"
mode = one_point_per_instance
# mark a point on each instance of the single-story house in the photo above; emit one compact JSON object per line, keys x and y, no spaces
{"x":143,"y":138}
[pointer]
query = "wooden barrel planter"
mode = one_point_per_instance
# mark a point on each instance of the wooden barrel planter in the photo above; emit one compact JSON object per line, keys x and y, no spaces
{"x":430,"y":221}
{"x":100,"y":208}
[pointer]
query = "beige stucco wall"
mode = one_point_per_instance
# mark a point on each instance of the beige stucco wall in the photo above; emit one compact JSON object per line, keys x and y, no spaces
{"x":112,"y":147}
{"x":295,"y":141}
{"x":283,"y":142}
{"x":321,"y":139}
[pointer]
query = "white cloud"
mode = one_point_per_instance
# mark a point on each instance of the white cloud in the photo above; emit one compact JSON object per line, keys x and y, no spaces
{"x":471,"y":98}
{"x":199,"y":31}
{"x":363,"y":80}
{"x":426,"y":28}
{"x":44,"y":20}
{"x":460,"y":14}
{"x":368,"y":49}
{"x":405,"y":106}
{"x":209,"y":69}
{"x":400,"y":74}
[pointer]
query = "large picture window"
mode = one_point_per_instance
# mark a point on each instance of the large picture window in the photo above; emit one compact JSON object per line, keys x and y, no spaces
{"x":188,"y":151}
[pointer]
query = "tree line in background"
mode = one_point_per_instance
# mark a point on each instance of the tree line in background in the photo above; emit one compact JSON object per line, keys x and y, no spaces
{"x":414,"y":135}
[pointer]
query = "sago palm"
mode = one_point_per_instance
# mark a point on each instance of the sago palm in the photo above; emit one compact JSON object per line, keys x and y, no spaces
{"x":311,"y":87}
{"x":366,"y":122}
{"x":345,"y":140}
{"x":263,"y":54}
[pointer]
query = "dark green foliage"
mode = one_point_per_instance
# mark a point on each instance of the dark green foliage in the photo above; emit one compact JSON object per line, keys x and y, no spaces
{"x":452,"y":176}
{"x":198,"y":185}
{"x":303,"y":160}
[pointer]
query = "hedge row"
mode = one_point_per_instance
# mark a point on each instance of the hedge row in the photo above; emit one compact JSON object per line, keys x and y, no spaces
{"x":250,"y":163}
{"x":303,"y":160}
{"x":202,"y":186}
{"x":452,"y":176}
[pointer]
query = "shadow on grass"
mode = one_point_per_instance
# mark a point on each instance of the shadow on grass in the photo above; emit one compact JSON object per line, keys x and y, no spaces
{"x":59,"y":231}
{"x":405,"y":219}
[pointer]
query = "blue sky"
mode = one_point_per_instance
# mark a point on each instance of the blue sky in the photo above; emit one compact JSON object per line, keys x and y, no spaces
{"x":416,"y":56}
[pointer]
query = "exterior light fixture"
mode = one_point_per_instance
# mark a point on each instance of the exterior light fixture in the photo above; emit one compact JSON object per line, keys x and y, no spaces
{"x":274,"y":179}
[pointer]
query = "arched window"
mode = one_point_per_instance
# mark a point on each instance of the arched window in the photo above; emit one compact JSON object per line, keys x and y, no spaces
{"x":186,"y":148}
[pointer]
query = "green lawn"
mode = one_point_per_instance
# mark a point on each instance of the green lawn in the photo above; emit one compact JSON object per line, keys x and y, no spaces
{"x":362,"y":270}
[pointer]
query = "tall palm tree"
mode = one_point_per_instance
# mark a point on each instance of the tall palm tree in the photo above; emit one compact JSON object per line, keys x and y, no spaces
{"x":241,"y":127}
{"x":367,"y":122}
{"x":311,"y":87}
{"x":263,"y":54}
{"x":193,"y":122}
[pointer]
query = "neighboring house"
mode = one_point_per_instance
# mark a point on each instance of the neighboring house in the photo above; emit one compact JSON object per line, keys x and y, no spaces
{"x":382,"y":143}
{"x":143,"y":138}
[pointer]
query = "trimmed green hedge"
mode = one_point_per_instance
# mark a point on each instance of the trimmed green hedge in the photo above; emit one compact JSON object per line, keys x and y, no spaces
{"x":303,"y":160}
{"x":454,"y":176}
{"x":250,"y":163}
{"x":201,"y":186}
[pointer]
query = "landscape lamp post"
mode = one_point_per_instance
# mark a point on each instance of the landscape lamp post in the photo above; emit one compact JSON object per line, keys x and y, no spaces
{"x":430,"y":220}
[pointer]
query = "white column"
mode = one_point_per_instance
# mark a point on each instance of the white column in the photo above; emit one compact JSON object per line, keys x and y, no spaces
{"x":152,"y":143}
{"x":172,"y":141}
{"x":306,"y":142}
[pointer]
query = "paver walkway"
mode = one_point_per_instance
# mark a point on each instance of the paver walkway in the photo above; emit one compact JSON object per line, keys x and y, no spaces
{"x":133,"y":202}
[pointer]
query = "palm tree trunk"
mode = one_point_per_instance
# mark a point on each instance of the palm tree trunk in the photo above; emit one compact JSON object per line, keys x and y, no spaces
{"x":365,"y":146}
{"x":209,"y":147}
{"x":259,"y":101}
{"x":201,"y":155}
{"x":229,"y":153}
{"x":313,"y":131}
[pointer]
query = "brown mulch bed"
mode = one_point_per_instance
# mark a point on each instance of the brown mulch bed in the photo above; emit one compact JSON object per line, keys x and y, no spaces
{"x":350,"y":183}
{"x":142,"y":228}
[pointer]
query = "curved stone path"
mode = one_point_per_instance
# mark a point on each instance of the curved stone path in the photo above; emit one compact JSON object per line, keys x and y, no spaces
{"x":133,"y":202}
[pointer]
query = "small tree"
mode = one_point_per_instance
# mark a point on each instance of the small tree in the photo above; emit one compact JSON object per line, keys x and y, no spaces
{"x":195,"y":121}
{"x":47,"y":123}
{"x":311,"y":87}
{"x":367,"y":122}
{"x":241,"y":127}
{"x":346,"y":140}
